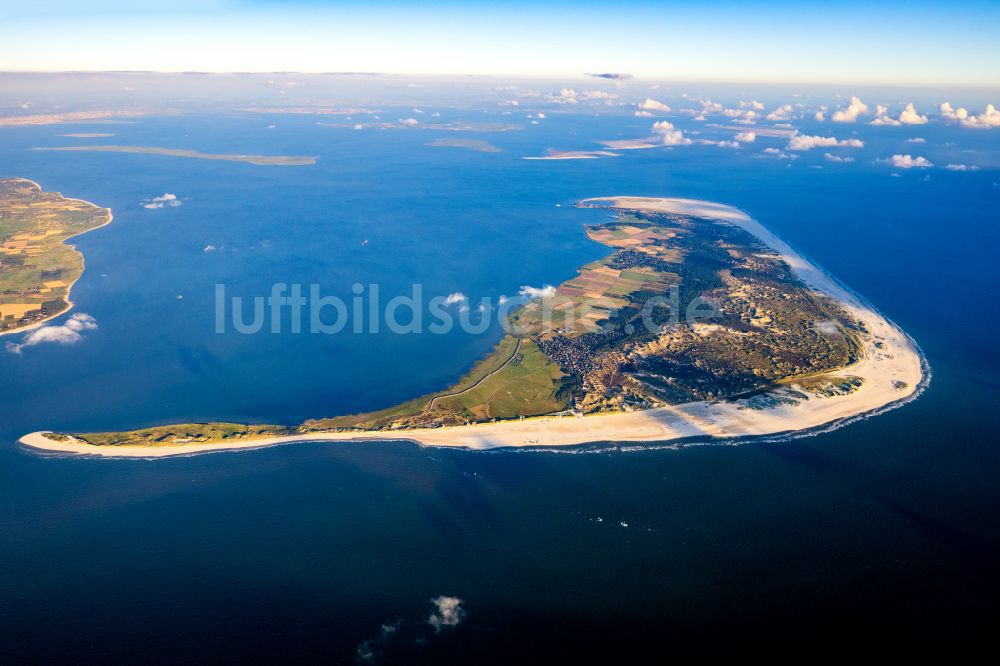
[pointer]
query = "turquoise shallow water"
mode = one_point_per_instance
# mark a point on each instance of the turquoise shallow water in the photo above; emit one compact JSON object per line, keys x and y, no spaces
{"x":860,"y":535}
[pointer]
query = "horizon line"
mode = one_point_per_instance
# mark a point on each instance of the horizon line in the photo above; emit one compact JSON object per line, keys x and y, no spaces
{"x":539,"y":77}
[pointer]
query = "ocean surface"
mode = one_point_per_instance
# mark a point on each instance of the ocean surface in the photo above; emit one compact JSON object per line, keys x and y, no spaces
{"x":882,"y":535}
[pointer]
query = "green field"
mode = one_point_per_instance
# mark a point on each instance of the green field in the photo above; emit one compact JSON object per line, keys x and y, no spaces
{"x":513,"y":380}
{"x":37,"y":266}
{"x":525,"y":387}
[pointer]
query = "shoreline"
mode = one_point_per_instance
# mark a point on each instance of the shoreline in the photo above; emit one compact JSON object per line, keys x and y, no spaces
{"x":83,"y":265}
{"x":892,"y":366}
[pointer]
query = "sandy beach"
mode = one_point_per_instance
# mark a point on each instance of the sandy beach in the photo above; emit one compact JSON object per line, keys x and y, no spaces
{"x":892,"y":368}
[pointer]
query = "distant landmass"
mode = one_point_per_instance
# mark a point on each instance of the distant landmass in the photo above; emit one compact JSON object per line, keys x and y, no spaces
{"x":66,"y":117}
{"x":448,"y":126}
{"x":260,"y":160}
{"x":470,"y":144}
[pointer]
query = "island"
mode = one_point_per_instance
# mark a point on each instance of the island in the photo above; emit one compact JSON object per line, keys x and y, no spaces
{"x":37,"y":266}
{"x":553,"y":154}
{"x":445,"y":126}
{"x":69,"y":117}
{"x":470,"y":144}
{"x":699,"y":325}
{"x":259,"y":160}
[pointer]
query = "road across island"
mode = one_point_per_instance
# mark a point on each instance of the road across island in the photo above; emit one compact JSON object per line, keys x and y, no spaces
{"x":517,"y":348}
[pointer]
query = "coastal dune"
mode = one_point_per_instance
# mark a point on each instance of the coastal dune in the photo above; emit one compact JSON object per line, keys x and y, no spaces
{"x":891,"y":366}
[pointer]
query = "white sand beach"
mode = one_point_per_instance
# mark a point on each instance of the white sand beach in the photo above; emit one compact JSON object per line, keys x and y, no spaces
{"x":892,"y":369}
{"x":553,"y":154}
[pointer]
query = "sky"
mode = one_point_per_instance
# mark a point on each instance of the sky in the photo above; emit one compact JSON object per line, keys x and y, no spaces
{"x":902,"y":43}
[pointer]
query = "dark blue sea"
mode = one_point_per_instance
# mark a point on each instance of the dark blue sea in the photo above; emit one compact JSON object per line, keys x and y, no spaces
{"x":880,"y":536}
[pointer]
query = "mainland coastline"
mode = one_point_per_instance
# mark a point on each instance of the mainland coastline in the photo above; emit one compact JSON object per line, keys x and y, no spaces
{"x":41,"y":225}
{"x":889,"y":368}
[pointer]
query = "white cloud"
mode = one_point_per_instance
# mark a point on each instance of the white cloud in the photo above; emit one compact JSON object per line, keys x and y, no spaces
{"x":951,"y":113}
{"x":988,"y":118}
{"x":783,"y":112}
{"x":668,"y":135}
{"x":907,"y":116}
{"x":161,"y":201}
{"x":547,"y":291}
{"x":708,"y":106}
{"x":836,"y":158}
{"x":917,"y":139}
{"x":565,"y":96}
{"x":66,"y":334}
{"x":541,"y":115}
{"x":807,"y":142}
{"x":961,"y":167}
{"x":881,"y":118}
{"x":643,"y":114}
{"x":778,"y":153}
{"x":663,"y":134}
{"x":448,"y":612}
{"x":720,"y":144}
{"x":453,"y":298}
{"x":850,"y":114}
{"x":210,"y":248}
{"x":408,"y":121}
{"x":909,"y":162}
{"x":597,"y":94}
{"x":743,"y":116}
{"x":653,"y":105}
{"x":746,"y":137}
{"x":405,"y":633}
{"x":752,"y":104}
{"x":359,"y":126}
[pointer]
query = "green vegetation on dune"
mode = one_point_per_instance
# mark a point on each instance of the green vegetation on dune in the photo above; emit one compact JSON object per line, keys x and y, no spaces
{"x":185,"y":433}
